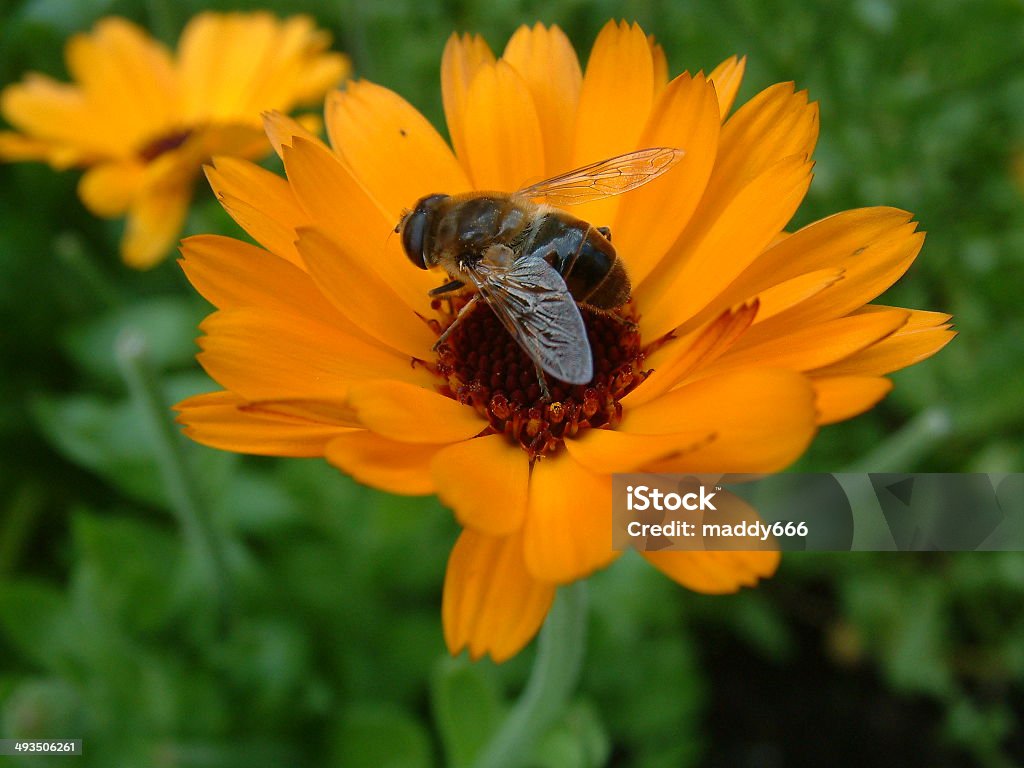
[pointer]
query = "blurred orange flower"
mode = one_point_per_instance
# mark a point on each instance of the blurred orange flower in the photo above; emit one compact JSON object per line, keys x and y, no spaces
{"x":143,"y":121}
{"x":747,"y":338}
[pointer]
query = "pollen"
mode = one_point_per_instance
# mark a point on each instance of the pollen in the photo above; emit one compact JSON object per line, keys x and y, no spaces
{"x":484,"y":367}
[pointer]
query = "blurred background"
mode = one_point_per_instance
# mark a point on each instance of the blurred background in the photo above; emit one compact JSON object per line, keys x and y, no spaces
{"x":330,"y":652}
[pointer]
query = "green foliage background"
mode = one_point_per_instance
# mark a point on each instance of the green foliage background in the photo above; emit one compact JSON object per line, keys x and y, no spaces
{"x":329,"y":652}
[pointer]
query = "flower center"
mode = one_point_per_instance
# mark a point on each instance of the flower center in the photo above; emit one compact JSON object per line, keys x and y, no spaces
{"x":483,"y":366}
{"x":163,"y":143}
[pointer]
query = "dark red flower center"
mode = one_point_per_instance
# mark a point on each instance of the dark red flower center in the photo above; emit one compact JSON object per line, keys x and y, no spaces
{"x":483,"y":366}
{"x":163,"y":143}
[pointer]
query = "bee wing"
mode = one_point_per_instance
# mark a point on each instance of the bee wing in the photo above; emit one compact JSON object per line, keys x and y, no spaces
{"x":532,"y":302}
{"x":605,"y":177}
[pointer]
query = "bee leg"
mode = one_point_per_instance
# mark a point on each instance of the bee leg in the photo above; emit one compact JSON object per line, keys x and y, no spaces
{"x":448,"y":331}
{"x":449,"y":287}
{"x":613,"y":315}
{"x":545,"y":393}
{"x":625,"y":322}
{"x":606,"y":232}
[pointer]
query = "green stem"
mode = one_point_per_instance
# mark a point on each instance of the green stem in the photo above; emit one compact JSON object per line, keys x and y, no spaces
{"x":556,"y":670}
{"x":915,"y":440}
{"x":200,"y":535}
{"x":70,"y":250}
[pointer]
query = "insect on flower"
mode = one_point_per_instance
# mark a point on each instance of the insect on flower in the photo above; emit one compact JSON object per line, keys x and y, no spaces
{"x":532,"y":262}
{"x":739,"y":339}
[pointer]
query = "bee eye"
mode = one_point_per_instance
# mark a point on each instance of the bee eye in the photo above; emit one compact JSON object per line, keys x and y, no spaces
{"x":415,"y":228}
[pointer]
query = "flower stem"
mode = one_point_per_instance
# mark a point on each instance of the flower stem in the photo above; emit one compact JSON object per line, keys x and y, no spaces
{"x":555,"y":672}
{"x":71,"y":252}
{"x":200,"y":535}
{"x":915,"y":440}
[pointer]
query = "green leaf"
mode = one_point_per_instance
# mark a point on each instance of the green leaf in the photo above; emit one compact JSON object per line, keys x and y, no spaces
{"x":133,"y":591}
{"x":108,"y":437}
{"x":168,"y":323}
{"x":380,"y":736}
{"x":578,"y":740}
{"x":467,"y":708}
{"x":918,"y":659}
{"x":34,"y":620}
{"x":105,"y":437}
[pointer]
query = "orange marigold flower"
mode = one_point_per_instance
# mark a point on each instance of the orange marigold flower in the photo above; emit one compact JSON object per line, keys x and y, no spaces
{"x":746,"y":339}
{"x":143,"y":121}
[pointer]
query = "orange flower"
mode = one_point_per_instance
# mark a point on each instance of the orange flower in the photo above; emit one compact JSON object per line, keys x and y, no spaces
{"x":143,"y":122}
{"x":748,"y":339}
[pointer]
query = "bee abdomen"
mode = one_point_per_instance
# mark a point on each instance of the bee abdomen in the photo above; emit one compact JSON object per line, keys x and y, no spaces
{"x":612,"y":292}
{"x":597,"y":277}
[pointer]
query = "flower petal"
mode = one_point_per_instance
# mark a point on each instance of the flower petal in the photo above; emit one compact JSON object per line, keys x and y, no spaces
{"x":919,"y":320}
{"x":811,"y":347}
{"x":761,"y":419}
{"x":727,"y":77}
{"x":616,"y":95}
{"x":873,"y":247}
{"x":109,"y":189}
{"x":568,"y":532}
{"x":264,"y":354}
{"x":468,"y":475}
{"x":659,"y":63}
{"x":924,"y":334}
{"x":400,"y":468}
{"x":697,"y":271}
{"x":16,"y":148}
{"x":491,"y":604}
{"x":463,"y":57}
{"x":231,"y":274}
{"x":504,"y":142}
{"x":411,"y":414}
{"x":615,"y":101}
{"x":362,"y":296}
{"x":296,"y":67}
{"x":546,"y":61}
{"x":334,"y":199}
{"x":775,"y":124}
{"x":154,"y":222}
{"x":61,"y":126}
{"x":715,"y":573}
{"x":868,"y":270}
{"x":607,"y":451}
{"x":261,"y":202}
{"x":125,"y":73}
{"x":678,"y":359}
{"x":786,"y":295}
{"x":226,"y":421}
{"x":392,"y":150}
{"x":282,"y":131}
{"x":239,"y":64}
{"x":651,"y":218}
{"x":838,"y":398}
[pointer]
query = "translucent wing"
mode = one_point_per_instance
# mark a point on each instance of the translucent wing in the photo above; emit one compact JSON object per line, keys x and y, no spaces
{"x":531,"y":301}
{"x":605,"y":178}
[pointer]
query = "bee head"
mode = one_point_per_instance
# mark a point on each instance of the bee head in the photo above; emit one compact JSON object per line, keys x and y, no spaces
{"x":415,"y":228}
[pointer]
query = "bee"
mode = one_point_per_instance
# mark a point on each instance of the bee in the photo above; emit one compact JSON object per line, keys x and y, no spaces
{"x":531,"y":262}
